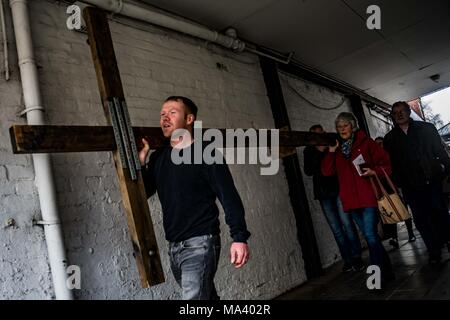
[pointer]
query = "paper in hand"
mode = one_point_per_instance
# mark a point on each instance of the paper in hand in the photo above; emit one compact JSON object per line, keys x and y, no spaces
{"x":358,"y":163}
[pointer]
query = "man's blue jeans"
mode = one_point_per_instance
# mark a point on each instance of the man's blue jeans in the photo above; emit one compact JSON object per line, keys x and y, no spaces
{"x":343,"y":229}
{"x":194,"y":265}
{"x":367,"y":221}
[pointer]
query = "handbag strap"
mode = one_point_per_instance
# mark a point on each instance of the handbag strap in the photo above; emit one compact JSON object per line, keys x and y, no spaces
{"x":391,"y":184}
{"x":375,"y":190}
{"x":383,"y":190}
{"x":386,"y":195}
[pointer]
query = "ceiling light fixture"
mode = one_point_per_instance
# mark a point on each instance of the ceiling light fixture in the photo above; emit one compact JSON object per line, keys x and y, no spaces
{"x":435,"y":77}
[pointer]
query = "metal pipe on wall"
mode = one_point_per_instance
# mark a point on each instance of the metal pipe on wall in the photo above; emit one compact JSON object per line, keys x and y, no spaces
{"x":42,"y":163}
{"x":145,"y":13}
{"x":5,"y":41}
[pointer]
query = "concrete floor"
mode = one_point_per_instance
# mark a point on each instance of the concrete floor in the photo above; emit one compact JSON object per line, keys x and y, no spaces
{"x":415,"y":278}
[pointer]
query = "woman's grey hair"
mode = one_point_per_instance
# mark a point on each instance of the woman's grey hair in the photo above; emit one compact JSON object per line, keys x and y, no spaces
{"x":347,"y":117}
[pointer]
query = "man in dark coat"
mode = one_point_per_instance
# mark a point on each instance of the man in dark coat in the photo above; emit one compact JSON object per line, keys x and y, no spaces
{"x":419,"y":164}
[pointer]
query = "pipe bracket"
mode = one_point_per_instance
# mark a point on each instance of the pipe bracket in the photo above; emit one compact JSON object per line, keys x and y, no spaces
{"x":46,"y":223}
{"x":119,"y":7}
{"x":25,"y":111}
{"x":24,"y":61}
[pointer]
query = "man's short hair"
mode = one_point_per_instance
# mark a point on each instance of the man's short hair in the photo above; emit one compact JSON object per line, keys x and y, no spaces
{"x":379,"y":138}
{"x":191,"y":107}
{"x":314,"y":127}
{"x":402,"y":103}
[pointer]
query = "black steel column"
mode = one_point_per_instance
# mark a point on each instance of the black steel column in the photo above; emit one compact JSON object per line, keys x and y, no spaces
{"x":297,"y":193}
{"x":358,"y":111}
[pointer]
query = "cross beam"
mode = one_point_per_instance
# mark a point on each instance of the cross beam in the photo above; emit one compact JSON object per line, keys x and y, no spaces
{"x":55,"y":139}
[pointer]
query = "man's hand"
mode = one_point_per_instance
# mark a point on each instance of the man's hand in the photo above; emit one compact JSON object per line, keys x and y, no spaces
{"x":144,"y":152}
{"x":239,"y":254}
{"x":368,"y":172}
{"x":333,"y":148}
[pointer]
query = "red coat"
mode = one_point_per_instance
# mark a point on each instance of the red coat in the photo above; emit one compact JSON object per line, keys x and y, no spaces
{"x":356,"y":191}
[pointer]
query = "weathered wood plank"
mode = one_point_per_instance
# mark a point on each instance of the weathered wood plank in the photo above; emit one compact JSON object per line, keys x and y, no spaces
{"x":55,"y":139}
{"x":137,"y":211}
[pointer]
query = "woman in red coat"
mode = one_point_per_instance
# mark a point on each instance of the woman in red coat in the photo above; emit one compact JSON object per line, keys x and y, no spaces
{"x":354,"y":161}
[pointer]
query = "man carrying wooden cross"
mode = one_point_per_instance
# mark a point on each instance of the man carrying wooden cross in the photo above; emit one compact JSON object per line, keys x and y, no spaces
{"x":190,"y":215}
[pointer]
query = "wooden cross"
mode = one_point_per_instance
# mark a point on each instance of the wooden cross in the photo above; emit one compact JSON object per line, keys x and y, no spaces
{"x":27,"y":139}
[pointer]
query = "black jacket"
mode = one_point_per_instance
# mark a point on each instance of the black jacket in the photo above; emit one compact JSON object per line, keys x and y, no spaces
{"x":417,"y":157}
{"x":188,"y":194}
{"x":323,"y":187}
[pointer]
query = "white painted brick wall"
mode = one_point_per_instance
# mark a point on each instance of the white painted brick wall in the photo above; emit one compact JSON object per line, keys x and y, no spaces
{"x":154,"y":64}
{"x":378,"y":124}
{"x":302,"y":116}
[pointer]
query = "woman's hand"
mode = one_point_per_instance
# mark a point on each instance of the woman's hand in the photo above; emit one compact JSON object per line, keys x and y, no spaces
{"x":368,"y":172}
{"x":333,"y":148}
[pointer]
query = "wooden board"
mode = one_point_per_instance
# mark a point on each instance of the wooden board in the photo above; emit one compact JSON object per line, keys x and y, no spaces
{"x":135,"y":203}
{"x":47,"y":138}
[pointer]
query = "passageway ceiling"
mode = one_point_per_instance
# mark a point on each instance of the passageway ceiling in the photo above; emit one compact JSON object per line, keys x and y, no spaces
{"x":392,"y":63}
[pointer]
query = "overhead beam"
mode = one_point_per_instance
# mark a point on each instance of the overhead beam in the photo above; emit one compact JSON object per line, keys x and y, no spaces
{"x":296,"y":69}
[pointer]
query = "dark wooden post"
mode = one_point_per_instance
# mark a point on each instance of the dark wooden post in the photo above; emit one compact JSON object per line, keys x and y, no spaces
{"x":358,"y":111}
{"x":297,"y":193}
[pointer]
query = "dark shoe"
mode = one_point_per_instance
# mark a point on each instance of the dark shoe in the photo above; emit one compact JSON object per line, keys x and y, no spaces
{"x":347,"y":267}
{"x":358,"y":265}
{"x":394,"y":243}
{"x":412,"y":239}
{"x":434,"y":260}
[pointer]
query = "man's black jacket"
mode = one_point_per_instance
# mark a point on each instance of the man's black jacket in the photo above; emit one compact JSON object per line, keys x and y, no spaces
{"x":188,"y":194}
{"x":417,"y":157}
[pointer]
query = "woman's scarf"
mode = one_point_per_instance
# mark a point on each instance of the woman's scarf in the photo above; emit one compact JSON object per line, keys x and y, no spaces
{"x":347,"y":146}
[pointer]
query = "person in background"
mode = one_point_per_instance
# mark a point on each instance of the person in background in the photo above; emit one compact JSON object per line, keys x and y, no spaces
{"x":420,"y":163}
{"x":355,"y":159}
{"x":326,"y":191}
{"x":390,"y":230}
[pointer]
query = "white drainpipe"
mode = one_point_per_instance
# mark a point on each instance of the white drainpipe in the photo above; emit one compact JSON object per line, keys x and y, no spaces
{"x":42,"y":164}
{"x":5,"y":41}
{"x":144,"y":13}
{"x":148,"y":14}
